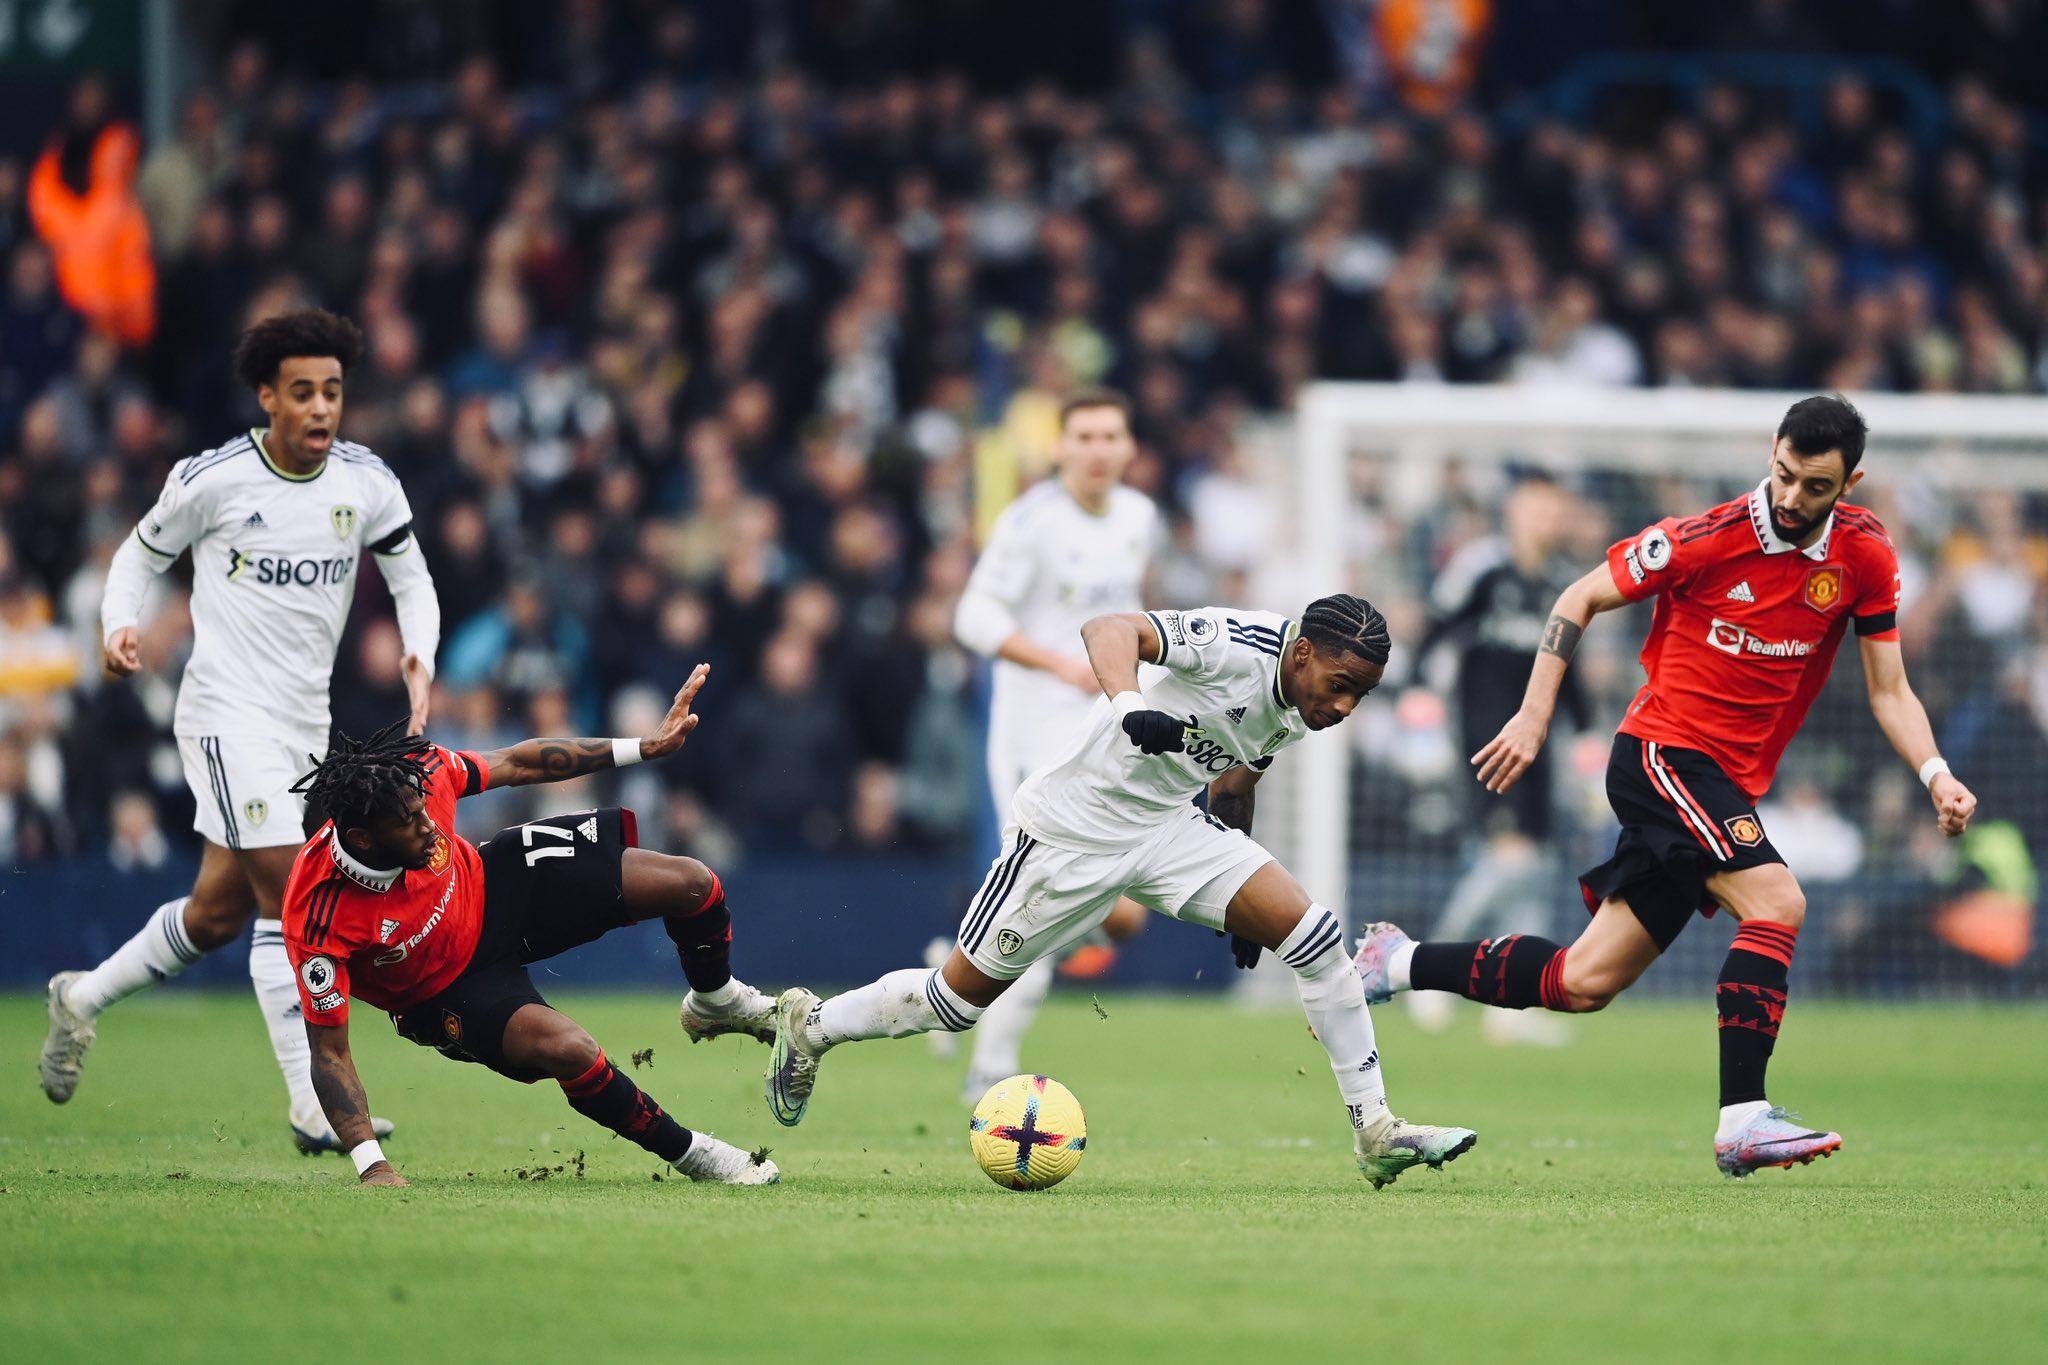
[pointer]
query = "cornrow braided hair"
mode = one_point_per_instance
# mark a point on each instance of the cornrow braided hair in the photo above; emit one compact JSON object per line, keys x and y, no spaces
{"x":1342,"y":622}
{"x":362,"y":780}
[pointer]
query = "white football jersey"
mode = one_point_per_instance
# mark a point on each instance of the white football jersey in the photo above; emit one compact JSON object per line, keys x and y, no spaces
{"x":1055,"y":565}
{"x":1223,"y":669}
{"x":274,"y":560}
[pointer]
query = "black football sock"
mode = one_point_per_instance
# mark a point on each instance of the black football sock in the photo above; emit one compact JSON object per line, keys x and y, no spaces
{"x":603,"y":1096}
{"x":1751,"y":1001}
{"x":1514,"y":972}
{"x":703,"y":940}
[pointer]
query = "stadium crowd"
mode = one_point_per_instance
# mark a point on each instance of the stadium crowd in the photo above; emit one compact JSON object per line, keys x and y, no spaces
{"x":677,"y":369}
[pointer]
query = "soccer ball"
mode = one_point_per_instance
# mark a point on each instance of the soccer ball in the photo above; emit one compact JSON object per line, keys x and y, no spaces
{"x":1028,"y":1133}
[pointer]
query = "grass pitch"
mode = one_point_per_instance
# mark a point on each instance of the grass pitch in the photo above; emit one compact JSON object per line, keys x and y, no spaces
{"x":162,"y":1215}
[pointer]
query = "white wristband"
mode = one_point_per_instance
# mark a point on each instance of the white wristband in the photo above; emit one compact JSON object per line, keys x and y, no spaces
{"x":365,"y":1155}
{"x":625,"y":753}
{"x":1123,"y":703}
{"x":1932,"y":768}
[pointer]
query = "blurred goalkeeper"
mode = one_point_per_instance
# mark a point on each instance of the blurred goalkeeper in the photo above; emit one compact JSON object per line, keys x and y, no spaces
{"x":1753,"y":597}
{"x":1492,"y":601}
{"x":388,"y":904}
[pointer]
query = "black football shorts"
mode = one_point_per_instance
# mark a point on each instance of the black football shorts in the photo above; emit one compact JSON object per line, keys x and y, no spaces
{"x":549,"y":885}
{"x":1682,"y":820}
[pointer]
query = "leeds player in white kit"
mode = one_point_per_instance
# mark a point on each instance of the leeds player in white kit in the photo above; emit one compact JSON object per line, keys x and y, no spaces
{"x":277,"y":521}
{"x":1112,"y":816}
{"x":1071,"y":548}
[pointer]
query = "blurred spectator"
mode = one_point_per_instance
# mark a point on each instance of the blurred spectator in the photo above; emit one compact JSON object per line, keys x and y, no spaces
{"x":81,"y":197}
{"x":679,"y":364}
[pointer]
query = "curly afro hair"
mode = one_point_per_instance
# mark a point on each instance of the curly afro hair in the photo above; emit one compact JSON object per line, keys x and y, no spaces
{"x":301,"y":332}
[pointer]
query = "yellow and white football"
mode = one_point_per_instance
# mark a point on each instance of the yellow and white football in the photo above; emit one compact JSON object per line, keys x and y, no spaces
{"x":1028,"y":1132}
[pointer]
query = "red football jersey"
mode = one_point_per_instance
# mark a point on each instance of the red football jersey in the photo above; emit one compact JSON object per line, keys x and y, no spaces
{"x":1747,"y":626}
{"x":391,"y":938}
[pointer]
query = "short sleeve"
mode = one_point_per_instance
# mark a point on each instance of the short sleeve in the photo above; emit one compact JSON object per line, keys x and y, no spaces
{"x":180,"y":514}
{"x":390,"y":531}
{"x":1006,"y":566}
{"x":475,"y":773}
{"x":1209,"y":642}
{"x":1653,"y":561}
{"x":321,"y":969}
{"x":1876,"y":610}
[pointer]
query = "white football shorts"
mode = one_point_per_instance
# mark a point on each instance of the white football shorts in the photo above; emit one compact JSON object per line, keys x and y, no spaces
{"x":242,"y":785}
{"x":1037,"y":899}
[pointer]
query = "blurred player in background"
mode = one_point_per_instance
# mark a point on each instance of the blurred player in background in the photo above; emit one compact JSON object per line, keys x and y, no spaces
{"x":1073,"y":547}
{"x":1753,"y":597}
{"x":1114,"y":817}
{"x":277,"y":521}
{"x":1492,"y":600}
{"x":388,"y":904}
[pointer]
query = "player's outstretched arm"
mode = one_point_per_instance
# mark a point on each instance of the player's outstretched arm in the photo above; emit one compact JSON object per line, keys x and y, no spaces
{"x":1508,"y":754}
{"x":558,"y":760}
{"x":340,"y":1092}
{"x":1904,"y":722}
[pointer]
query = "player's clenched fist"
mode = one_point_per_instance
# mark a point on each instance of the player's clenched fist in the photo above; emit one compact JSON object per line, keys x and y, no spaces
{"x":1508,"y":754}
{"x":1954,"y":804}
{"x":1156,"y":732}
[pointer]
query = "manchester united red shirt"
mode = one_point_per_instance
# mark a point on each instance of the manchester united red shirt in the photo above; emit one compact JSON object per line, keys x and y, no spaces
{"x":389,"y":937}
{"x":1747,"y":625}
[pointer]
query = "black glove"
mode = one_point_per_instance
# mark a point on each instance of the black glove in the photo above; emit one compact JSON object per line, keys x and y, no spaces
{"x":1155,"y":732}
{"x":1243,"y":951}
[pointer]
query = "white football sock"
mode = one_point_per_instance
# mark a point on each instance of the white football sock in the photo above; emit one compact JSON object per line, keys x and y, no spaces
{"x":158,"y":952}
{"x":913,"y":1000}
{"x":1333,"y":998}
{"x":1399,"y":964}
{"x":999,"y":1037}
{"x":277,"y":995}
{"x":1734,"y":1116}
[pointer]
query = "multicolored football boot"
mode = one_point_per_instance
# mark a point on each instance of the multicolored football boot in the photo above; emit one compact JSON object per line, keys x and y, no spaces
{"x":1775,"y":1137}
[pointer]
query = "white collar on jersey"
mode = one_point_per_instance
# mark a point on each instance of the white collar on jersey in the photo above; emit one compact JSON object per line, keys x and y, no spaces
{"x":352,"y":867}
{"x":1767,"y":534}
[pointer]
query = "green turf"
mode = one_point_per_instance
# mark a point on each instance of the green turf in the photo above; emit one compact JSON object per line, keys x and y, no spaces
{"x":161,"y":1216}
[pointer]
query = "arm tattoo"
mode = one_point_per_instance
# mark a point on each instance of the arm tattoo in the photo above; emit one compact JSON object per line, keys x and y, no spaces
{"x":341,"y":1097}
{"x":1234,"y":808}
{"x":1561,"y":637}
{"x":558,"y":760}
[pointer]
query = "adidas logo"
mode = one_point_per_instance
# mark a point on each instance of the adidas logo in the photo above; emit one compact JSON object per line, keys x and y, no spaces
{"x":386,"y":929}
{"x":1236,"y":714}
{"x":255,"y":519}
{"x":1741,"y":593}
{"x":588,"y":829}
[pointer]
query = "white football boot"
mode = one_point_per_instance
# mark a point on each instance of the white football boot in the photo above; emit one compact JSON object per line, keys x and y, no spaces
{"x":71,"y":1033}
{"x":751,"y":1012}
{"x":721,"y":1163}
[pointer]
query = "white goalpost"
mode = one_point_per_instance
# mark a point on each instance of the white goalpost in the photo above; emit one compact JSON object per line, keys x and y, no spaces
{"x":1397,"y":447}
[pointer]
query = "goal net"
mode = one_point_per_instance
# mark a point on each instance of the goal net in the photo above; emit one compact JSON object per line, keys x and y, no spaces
{"x":1386,"y":490}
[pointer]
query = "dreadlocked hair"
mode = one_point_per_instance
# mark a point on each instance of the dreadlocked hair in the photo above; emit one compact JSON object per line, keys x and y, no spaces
{"x":1342,"y":622}
{"x":364,"y":780}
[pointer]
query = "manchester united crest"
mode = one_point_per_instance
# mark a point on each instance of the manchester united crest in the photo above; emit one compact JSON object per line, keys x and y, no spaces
{"x":1824,"y":588}
{"x":437,"y":861}
{"x":1745,"y":830}
{"x":451,"y":1026}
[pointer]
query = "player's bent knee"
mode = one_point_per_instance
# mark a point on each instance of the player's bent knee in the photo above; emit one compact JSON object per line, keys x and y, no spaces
{"x":1788,"y":910}
{"x":567,"y":1052}
{"x":1589,"y":992}
{"x":215,"y":926}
